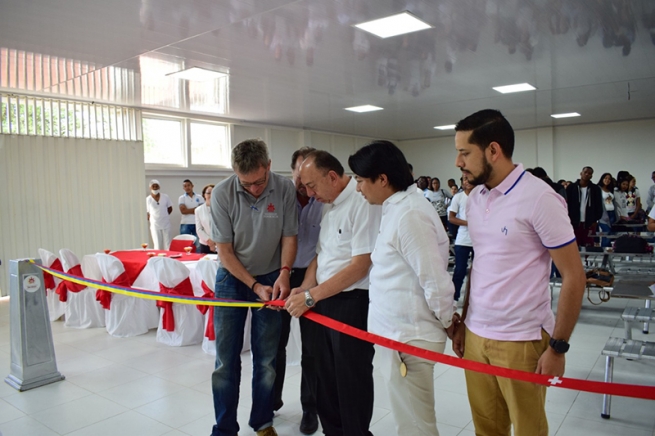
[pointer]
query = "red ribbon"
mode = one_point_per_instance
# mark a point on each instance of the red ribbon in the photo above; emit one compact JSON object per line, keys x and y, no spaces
{"x":182,"y":288}
{"x":65,"y":286}
{"x":104,"y":297}
{"x":48,"y":279}
{"x":626,"y":390}
{"x":209,"y":330}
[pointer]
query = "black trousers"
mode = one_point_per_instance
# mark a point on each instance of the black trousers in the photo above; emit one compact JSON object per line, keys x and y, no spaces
{"x":308,"y":330}
{"x":204,"y":249}
{"x":345,"y":368}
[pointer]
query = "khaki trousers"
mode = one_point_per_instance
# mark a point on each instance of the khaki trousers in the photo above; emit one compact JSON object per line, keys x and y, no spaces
{"x":411,"y":397}
{"x":497,"y":403}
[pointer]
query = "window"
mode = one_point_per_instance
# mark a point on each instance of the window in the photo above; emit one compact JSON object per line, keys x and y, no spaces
{"x":184,"y":142}
{"x":209,"y":144}
{"x":163,"y":142}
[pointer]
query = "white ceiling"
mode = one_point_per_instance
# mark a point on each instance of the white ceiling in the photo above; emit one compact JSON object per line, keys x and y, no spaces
{"x":300,"y":63}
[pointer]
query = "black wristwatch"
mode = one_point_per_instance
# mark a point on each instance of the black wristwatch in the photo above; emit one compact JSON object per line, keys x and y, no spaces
{"x":309,"y":301}
{"x":559,"y":345}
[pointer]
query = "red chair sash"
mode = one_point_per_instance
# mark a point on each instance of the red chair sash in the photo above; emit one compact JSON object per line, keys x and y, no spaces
{"x":182,"y":288}
{"x":209,"y":330}
{"x":48,"y":279}
{"x":104,"y":297}
{"x":66,"y":286}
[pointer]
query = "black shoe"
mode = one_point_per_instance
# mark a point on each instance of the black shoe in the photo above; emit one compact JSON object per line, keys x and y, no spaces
{"x":309,"y":423}
{"x":278,"y":405}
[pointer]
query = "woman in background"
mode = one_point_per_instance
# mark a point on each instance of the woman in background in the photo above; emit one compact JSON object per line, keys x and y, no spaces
{"x":204,"y":223}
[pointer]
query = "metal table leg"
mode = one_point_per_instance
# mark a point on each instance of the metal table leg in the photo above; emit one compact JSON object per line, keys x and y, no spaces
{"x":607,"y":399}
{"x":628,"y":328}
{"x":646,"y":326}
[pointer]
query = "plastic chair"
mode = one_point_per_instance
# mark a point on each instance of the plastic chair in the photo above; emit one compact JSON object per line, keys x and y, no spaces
{"x":179,"y":324}
{"x":125,"y":316}
{"x":82,"y":310}
{"x":203,"y":278}
{"x":205,"y":274}
{"x":56,"y":308}
{"x":180,"y":241}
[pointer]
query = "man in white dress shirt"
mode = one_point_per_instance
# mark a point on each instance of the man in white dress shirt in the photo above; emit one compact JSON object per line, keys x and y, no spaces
{"x":411,"y":294}
{"x":336,"y":283}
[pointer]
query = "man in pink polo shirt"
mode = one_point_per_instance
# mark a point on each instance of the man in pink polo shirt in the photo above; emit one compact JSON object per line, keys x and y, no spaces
{"x":517,"y":223}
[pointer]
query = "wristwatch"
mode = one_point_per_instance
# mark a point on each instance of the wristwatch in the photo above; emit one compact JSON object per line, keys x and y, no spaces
{"x":559,"y":345}
{"x":309,"y":301}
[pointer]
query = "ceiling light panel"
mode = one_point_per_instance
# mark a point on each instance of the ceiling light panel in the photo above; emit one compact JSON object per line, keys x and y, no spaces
{"x":446,"y":127}
{"x":197,"y":74}
{"x":519,"y":87}
{"x":394,"y":25}
{"x":364,"y":108}
{"x":566,"y":115}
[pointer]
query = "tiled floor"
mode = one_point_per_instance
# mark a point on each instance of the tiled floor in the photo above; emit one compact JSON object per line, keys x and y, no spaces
{"x":137,"y":387}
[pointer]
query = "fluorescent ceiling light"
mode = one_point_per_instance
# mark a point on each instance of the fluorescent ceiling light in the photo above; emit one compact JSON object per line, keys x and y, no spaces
{"x":447,"y":127}
{"x":197,"y":74}
{"x":568,"y":115}
{"x":394,"y":25}
{"x":364,"y":108}
{"x":519,"y":87}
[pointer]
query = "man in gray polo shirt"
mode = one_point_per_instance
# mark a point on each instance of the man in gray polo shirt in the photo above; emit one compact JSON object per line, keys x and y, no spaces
{"x":254,"y":224}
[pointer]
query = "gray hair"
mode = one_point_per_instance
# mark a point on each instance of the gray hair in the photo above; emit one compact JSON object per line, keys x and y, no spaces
{"x":249,"y":156}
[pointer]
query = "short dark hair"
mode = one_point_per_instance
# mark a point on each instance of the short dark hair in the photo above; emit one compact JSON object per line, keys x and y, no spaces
{"x":584,"y":168}
{"x":382,"y":157}
{"x":302,"y":151}
{"x":250,"y":155}
{"x":325,"y":162}
{"x":539,"y":172}
{"x":187,"y":181}
{"x":487,"y":126}
{"x":411,"y":167}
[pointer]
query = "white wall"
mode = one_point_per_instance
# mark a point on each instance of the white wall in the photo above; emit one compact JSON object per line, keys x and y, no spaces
{"x":68,"y":193}
{"x":561,"y":151}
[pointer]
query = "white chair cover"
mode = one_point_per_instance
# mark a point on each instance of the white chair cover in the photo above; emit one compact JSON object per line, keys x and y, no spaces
{"x":185,"y":238}
{"x":189,"y":322}
{"x":127,"y":316}
{"x":205,"y":271}
{"x":82,"y":309}
{"x":56,"y":308}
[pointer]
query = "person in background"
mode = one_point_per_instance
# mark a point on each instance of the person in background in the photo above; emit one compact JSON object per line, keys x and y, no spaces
{"x":158,"y":209}
{"x":336,"y":285}
{"x":203,"y":222}
{"x":517,"y":225}
{"x":310,"y":213}
{"x":411,"y":294}
{"x":635,"y":212}
{"x":188,"y":202}
{"x":651,"y":220}
{"x":439,"y":199}
{"x":463,"y":244}
{"x":650,"y":197}
{"x":605,"y":223}
{"x":585,"y":207}
{"x":255,"y":226}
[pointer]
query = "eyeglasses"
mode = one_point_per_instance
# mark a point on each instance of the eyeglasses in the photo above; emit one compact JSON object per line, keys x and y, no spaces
{"x":259,"y":182}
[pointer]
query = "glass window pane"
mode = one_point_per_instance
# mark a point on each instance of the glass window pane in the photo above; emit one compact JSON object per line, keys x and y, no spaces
{"x":162,"y":141}
{"x":209,"y":145}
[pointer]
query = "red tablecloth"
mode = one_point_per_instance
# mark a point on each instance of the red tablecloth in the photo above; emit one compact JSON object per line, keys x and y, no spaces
{"x":135,"y":260}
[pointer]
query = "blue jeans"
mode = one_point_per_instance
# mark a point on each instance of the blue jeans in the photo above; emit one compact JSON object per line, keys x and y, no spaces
{"x":190,"y":229}
{"x":462,"y":253}
{"x":229,"y":323}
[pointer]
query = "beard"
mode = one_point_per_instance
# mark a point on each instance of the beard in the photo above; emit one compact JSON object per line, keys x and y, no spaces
{"x":484,"y":176}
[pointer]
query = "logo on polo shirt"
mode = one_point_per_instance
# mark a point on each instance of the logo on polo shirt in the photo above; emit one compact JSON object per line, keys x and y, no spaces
{"x":270,"y":211}
{"x":270,"y":208}
{"x":504,"y":230}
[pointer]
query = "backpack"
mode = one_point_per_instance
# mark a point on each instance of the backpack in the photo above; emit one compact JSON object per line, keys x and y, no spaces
{"x":631,"y":244}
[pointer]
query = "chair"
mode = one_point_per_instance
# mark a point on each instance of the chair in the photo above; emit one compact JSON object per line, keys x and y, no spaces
{"x":56,"y":308}
{"x":203,"y":278}
{"x":82,"y":310}
{"x":179,"y":324}
{"x":180,"y":241}
{"x":125,"y":316}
